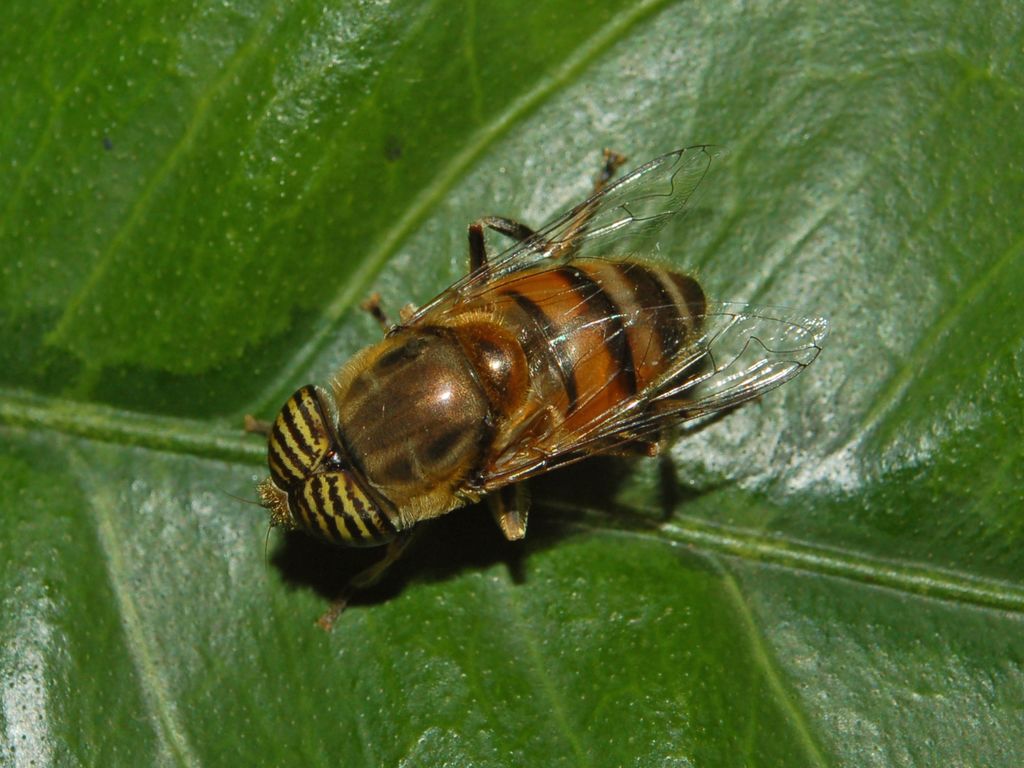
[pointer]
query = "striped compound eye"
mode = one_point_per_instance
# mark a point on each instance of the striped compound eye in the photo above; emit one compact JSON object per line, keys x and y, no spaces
{"x":334,"y":506}
{"x":300,"y":439}
{"x":309,"y":488}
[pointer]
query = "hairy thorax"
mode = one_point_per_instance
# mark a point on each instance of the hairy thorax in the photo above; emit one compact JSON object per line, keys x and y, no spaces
{"x":414,"y":417}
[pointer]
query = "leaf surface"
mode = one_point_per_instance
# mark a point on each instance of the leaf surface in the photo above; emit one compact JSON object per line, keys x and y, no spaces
{"x":195,"y":197}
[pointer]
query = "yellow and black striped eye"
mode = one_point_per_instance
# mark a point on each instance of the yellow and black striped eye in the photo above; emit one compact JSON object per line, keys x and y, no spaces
{"x":300,"y":438}
{"x":332,"y":505}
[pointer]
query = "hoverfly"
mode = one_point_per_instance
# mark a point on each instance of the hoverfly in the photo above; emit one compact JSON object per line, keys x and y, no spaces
{"x":564,"y":346}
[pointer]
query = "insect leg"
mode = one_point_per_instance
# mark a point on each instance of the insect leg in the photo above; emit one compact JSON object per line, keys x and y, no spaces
{"x":477,"y":247}
{"x":366,"y":578}
{"x":257,"y":426}
{"x":634,"y":447}
{"x":406,"y":313}
{"x":520,"y":232}
{"x":569,"y":244}
{"x":509,"y":227}
{"x":510,"y":506}
{"x":372,"y":305}
{"x":612,"y":162}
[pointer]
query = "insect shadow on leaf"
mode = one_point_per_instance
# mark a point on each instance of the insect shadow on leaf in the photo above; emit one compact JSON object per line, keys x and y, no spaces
{"x":577,"y":500}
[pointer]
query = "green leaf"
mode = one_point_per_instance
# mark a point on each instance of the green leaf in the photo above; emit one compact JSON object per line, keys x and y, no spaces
{"x":195,"y":197}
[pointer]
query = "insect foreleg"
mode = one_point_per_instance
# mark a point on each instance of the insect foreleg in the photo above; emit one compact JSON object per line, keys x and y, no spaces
{"x":612,"y":162}
{"x":255,"y":426}
{"x":367,"y":578}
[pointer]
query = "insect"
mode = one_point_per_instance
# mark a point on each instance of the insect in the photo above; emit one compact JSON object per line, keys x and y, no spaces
{"x":566,"y":345}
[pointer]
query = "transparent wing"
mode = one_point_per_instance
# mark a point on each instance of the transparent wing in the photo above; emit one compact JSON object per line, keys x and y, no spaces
{"x":622,"y":219}
{"x":748,"y":351}
{"x":743,"y":353}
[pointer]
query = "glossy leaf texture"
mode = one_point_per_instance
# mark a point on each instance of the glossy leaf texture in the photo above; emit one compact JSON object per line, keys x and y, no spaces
{"x":194,"y":198}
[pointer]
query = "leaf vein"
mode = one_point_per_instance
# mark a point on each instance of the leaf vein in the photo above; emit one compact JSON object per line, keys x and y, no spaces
{"x":901,"y":381}
{"x":140,"y":649}
{"x":442,"y":182}
{"x":200,"y":113}
{"x":764,"y":660}
{"x":535,"y":658}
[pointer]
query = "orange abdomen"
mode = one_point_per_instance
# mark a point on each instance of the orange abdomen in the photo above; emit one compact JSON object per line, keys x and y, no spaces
{"x":593,"y":332}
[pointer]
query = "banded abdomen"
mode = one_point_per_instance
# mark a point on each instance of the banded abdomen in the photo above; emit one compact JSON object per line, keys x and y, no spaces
{"x":596,"y":332}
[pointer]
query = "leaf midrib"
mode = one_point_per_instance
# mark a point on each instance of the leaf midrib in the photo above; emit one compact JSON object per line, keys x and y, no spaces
{"x":906,"y":577}
{"x":191,"y":437}
{"x":26,"y":410}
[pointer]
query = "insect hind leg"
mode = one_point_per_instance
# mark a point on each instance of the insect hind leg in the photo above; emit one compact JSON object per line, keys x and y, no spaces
{"x":478,"y":248}
{"x":520,"y":232}
{"x":612,"y":162}
{"x":569,"y":244}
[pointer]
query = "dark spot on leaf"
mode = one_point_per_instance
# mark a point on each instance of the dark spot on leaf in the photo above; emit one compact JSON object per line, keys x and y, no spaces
{"x":392,"y":148}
